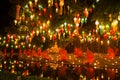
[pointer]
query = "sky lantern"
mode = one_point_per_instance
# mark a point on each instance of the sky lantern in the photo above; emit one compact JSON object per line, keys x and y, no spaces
{"x":56,"y":6}
{"x":17,"y":11}
{"x":114,"y":25}
{"x":108,"y":42}
{"x":31,"y":5}
{"x":75,"y":1}
{"x":38,"y":23}
{"x":114,"y":38}
{"x":86,"y":13}
{"x":97,"y":24}
{"x":50,"y":3}
{"x":50,"y":16}
{"x":36,"y":2}
{"x":45,"y":10}
{"x":32,"y":17}
{"x":61,"y":4}
{"x":43,"y":39}
{"x":101,"y":42}
{"x":110,"y":17}
{"x":105,"y":36}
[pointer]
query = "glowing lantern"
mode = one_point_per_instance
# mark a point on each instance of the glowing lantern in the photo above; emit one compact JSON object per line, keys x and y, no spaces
{"x":105,"y":36}
{"x":12,"y":70}
{"x":0,"y":65}
{"x":43,"y":39}
{"x":114,"y":25}
{"x":108,"y":42}
{"x":36,"y":2}
{"x":119,"y":17}
{"x":44,"y":10}
{"x":38,"y":23}
{"x":37,"y":33}
{"x":101,"y":42}
{"x":61,"y":6}
{"x":50,"y":3}
{"x":86,"y":13}
{"x":50,"y":16}
{"x":7,"y":45}
{"x":31,"y":5}
{"x":4,"y":62}
{"x":110,"y":17}
{"x":32,"y":17}
{"x":96,"y":22}
{"x":114,"y":38}
{"x":17,"y":11}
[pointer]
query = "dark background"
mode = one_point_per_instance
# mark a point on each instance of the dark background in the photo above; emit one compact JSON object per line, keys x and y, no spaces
{"x":5,"y":7}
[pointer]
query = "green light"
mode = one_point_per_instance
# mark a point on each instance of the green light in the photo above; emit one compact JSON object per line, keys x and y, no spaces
{"x":71,"y":25}
{"x":12,"y":46}
{"x":25,"y":67}
{"x":40,"y":6}
{"x":4,"y":37}
{"x":9,"y":68}
{"x":65,"y":23}
{"x":23,"y":46}
{"x":41,"y":45}
{"x":26,"y":6}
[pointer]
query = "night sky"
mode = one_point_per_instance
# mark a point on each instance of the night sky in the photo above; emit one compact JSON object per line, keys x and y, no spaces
{"x":5,"y":7}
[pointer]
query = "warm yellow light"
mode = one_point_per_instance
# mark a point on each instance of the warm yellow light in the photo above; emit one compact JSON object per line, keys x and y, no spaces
{"x":4,"y":42}
{"x":96,"y":22}
{"x":13,"y":66}
{"x":34,"y":46}
{"x":75,"y":19}
{"x":32,"y":16}
{"x":101,"y":42}
{"x":30,"y":3}
{"x":48,"y":22}
{"x":36,"y":2}
{"x":108,"y":42}
{"x":7,"y":45}
{"x":37,"y":32}
{"x":114,"y":23}
{"x":29,"y":45}
{"x":15,"y":21}
{"x":0,"y":65}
